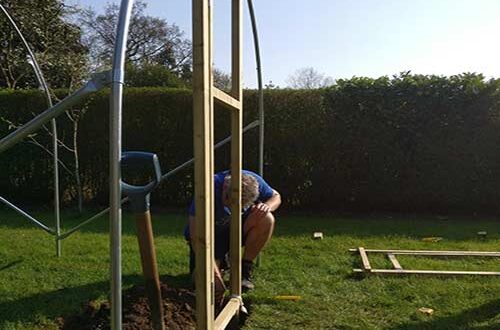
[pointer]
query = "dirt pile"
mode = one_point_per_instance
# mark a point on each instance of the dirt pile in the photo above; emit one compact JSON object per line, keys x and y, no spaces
{"x":178,"y":306}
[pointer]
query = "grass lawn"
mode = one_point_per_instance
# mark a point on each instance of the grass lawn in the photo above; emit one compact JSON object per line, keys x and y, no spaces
{"x":36,"y":287}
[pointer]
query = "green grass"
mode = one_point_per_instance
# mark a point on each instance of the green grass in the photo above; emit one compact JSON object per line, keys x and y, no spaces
{"x":36,"y":287}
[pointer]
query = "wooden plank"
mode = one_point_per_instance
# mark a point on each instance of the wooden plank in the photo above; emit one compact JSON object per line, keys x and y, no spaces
{"x":228,"y":312}
{"x":236,"y":164}
{"x":226,"y":99}
{"x":427,"y":272}
{"x":236,"y":225}
{"x":236,"y":50}
{"x":436,"y":253}
{"x":364,"y":259}
{"x":394,"y":261}
{"x":203,"y":169}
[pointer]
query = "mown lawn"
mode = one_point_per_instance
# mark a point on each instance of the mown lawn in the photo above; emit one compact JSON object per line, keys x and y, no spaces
{"x":36,"y":287}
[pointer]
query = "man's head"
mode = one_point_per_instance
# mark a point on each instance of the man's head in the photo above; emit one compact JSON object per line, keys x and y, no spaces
{"x":249,"y":190}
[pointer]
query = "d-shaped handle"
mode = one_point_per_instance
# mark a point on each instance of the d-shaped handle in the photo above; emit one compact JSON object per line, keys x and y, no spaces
{"x":140,"y":161}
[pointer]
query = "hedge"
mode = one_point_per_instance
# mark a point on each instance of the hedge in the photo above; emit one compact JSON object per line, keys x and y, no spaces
{"x":408,"y":143}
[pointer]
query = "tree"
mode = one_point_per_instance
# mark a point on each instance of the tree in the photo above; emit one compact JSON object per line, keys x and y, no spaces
{"x":222,"y":80}
{"x":151,"y":39}
{"x":151,"y":75}
{"x":54,"y":40}
{"x":308,"y":78}
{"x":56,"y":43}
{"x":271,"y":85}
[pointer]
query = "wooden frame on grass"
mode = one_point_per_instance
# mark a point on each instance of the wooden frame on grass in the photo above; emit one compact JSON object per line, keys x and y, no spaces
{"x":204,"y":94}
{"x":398,"y":269}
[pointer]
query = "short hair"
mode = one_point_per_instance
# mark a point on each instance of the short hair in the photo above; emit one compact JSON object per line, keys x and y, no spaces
{"x":249,"y":189}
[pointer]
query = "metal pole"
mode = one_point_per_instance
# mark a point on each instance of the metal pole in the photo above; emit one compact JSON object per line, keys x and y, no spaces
{"x":261,"y":94}
{"x":115,"y":140}
{"x":164,"y":177}
{"x":43,"y":85}
{"x":261,"y":90}
{"x":32,"y":219}
{"x":19,"y":134}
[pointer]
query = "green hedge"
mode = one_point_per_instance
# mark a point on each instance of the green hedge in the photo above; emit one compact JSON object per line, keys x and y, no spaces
{"x":419,"y":143}
{"x":407,"y":143}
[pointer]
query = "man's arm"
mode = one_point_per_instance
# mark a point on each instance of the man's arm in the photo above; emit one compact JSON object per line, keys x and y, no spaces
{"x":274,"y":202}
{"x":271,"y":205}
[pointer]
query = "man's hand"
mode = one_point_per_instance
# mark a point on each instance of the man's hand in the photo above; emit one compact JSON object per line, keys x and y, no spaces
{"x":260,"y":210}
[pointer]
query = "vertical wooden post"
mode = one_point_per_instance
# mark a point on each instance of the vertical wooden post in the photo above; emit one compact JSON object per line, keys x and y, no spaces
{"x":203,"y":169}
{"x":236,"y":47}
{"x":236,"y":148}
{"x":203,"y":118}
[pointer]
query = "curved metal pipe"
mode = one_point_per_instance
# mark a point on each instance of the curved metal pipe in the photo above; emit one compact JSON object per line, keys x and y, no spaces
{"x":28,"y":216}
{"x":43,"y":85}
{"x":115,"y":141}
{"x":259,"y":82}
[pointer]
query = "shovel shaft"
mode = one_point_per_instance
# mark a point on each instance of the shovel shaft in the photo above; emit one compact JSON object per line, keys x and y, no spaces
{"x":150,"y":268}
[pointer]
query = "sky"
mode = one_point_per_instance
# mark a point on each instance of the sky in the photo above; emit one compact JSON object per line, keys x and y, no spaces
{"x":346,"y":38}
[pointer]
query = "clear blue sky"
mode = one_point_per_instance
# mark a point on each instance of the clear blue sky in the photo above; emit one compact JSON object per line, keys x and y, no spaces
{"x":345,"y":38}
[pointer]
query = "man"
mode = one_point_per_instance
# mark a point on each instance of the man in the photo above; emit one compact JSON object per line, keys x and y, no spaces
{"x":258,"y":200}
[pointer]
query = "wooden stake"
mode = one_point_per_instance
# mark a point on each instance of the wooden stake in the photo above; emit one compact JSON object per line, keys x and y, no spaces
{"x":236,"y":151}
{"x":203,"y":118}
{"x":203,"y":169}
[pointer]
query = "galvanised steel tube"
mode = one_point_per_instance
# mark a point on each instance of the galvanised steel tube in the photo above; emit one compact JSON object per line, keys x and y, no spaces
{"x":115,"y":140}
{"x":42,"y":83}
{"x":92,"y":218}
{"x":259,"y":82}
{"x":96,"y":83}
{"x":26,"y":215}
{"x":164,"y":177}
{"x":216,"y":146}
{"x":57,"y":209}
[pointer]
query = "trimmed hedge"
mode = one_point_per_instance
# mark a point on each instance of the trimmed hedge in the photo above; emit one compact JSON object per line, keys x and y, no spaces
{"x":407,"y":143}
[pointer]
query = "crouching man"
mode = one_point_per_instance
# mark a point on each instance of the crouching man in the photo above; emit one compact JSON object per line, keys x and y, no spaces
{"x":258,"y":200}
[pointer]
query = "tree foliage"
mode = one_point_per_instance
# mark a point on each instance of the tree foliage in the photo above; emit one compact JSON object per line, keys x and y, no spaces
{"x":222,"y":80}
{"x":54,"y":40}
{"x":308,"y":78}
{"x":151,"y":41}
{"x":151,"y":75}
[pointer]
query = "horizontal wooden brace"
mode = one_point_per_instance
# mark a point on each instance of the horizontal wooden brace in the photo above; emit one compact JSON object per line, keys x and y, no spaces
{"x":228,"y":312}
{"x":394,"y":261}
{"x":364,"y":259}
{"x":425,"y":272}
{"x":435,"y":253}
{"x":226,"y":99}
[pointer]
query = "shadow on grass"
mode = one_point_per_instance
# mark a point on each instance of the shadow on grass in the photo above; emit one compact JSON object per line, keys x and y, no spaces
{"x":10,"y":264}
{"x":171,"y":224}
{"x":68,"y":301}
{"x":453,"y":228}
{"x":164,"y":224}
{"x":469,"y":319}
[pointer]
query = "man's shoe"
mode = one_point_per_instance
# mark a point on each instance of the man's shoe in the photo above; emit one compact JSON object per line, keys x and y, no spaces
{"x":246,"y":275}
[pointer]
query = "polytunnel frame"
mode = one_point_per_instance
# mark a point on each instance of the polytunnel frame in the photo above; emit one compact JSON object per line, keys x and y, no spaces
{"x":115,"y":78}
{"x":55,"y":157}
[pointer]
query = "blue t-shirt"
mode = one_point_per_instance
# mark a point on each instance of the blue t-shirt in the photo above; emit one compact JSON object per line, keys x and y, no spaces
{"x":223,"y":212}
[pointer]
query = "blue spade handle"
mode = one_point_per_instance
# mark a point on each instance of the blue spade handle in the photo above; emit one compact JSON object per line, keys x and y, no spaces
{"x":139,"y":195}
